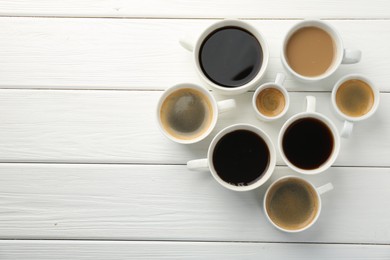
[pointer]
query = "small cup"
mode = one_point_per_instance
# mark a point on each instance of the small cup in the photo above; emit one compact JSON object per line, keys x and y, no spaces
{"x":309,"y":142}
{"x":234,"y":59}
{"x":271,"y":100}
{"x":187,"y":113}
{"x":241,"y":157}
{"x":354,"y":98}
{"x":293,"y":204}
{"x":315,"y":53}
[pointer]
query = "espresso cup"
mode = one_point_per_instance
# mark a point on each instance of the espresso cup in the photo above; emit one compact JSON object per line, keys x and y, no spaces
{"x":241,"y":157}
{"x":230,"y":56}
{"x":309,"y":142}
{"x":354,"y":98}
{"x":187,"y":113}
{"x":271,"y":100}
{"x":313,"y":50}
{"x":293,"y":204}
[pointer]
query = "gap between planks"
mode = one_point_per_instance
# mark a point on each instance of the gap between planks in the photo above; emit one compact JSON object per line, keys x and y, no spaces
{"x":146,"y":90}
{"x":160,"y":164}
{"x":191,"y":18}
{"x":190,"y":241}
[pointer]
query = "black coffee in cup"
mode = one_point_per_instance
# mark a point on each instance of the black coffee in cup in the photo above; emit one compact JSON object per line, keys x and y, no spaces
{"x":241,"y":157}
{"x":308,"y":143}
{"x":230,"y":56}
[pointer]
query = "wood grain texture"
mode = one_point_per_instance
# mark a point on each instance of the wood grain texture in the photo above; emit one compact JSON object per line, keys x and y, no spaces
{"x":121,"y":127}
{"x":171,"y":203}
{"x":145,"y":54}
{"x":99,"y":250}
{"x":198,"y":8}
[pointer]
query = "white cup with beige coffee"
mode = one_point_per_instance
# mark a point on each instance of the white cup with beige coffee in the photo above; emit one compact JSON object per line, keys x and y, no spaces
{"x":309,"y":142}
{"x":293,"y":204}
{"x":187,"y":113}
{"x":354,"y":98}
{"x":313,"y":50}
{"x":271,"y":100}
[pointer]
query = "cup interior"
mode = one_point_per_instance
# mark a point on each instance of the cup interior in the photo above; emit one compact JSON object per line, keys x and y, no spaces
{"x":210,"y":110}
{"x":268,"y":105}
{"x":338,"y":47}
{"x":334,"y":150}
{"x":375,"y":93}
{"x":246,"y":27}
{"x":263,"y":176}
{"x":292,"y":204}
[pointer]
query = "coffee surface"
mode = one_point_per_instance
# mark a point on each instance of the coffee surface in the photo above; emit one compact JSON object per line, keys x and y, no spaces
{"x":230,"y":57}
{"x":308,"y":143}
{"x":292,"y":204}
{"x":310,"y":51}
{"x":186,"y":113}
{"x":241,"y":157}
{"x":355,"y":98}
{"x":270,"y":102}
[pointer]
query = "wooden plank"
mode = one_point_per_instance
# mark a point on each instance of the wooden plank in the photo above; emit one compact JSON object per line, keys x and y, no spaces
{"x":64,"y":250}
{"x":157,"y":202}
{"x":198,"y":8}
{"x":120,"y":127}
{"x":145,"y":54}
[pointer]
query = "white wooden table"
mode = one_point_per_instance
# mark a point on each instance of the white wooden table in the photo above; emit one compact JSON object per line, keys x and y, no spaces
{"x":86,"y":174}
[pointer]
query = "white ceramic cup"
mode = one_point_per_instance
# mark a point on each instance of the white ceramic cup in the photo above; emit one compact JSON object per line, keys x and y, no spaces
{"x":342,"y":56}
{"x":217,"y":108}
{"x":319,"y":191}
{"x":311,"y":113}
{"x":349,"y":120}
{"x":207,"y":163}
{"x":195,"y":45}
{"x":278,"y":84}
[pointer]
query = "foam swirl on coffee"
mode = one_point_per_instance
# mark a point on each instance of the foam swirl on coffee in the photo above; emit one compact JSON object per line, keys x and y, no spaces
{"x":270,"y":102}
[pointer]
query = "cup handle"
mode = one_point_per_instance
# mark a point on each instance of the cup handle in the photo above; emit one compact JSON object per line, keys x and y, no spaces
{"x":198,"y":165}
{"x":280,"y":77}
{"x":226,"y":105}
{"x":324,"y":188}
{"x":310,"y":104}
{"x":187,"y":43}
{"x":351,"y":56}
{"x":347,"y":129}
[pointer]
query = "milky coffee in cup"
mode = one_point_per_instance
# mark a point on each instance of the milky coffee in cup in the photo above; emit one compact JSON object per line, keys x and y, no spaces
{"x":186,"y":113}
{"x":310,"y":51}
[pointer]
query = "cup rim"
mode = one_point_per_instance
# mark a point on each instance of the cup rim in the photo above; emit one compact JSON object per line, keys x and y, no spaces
{"x":336,"y":142}
{"x":275,"y":86}
{"x":374,"y":89}
{"x":303,"y":180}
{"x":204,"y":91}
{"x":247,"y":27}
{"x":331,"y":30}
{"x":259,"y":132}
